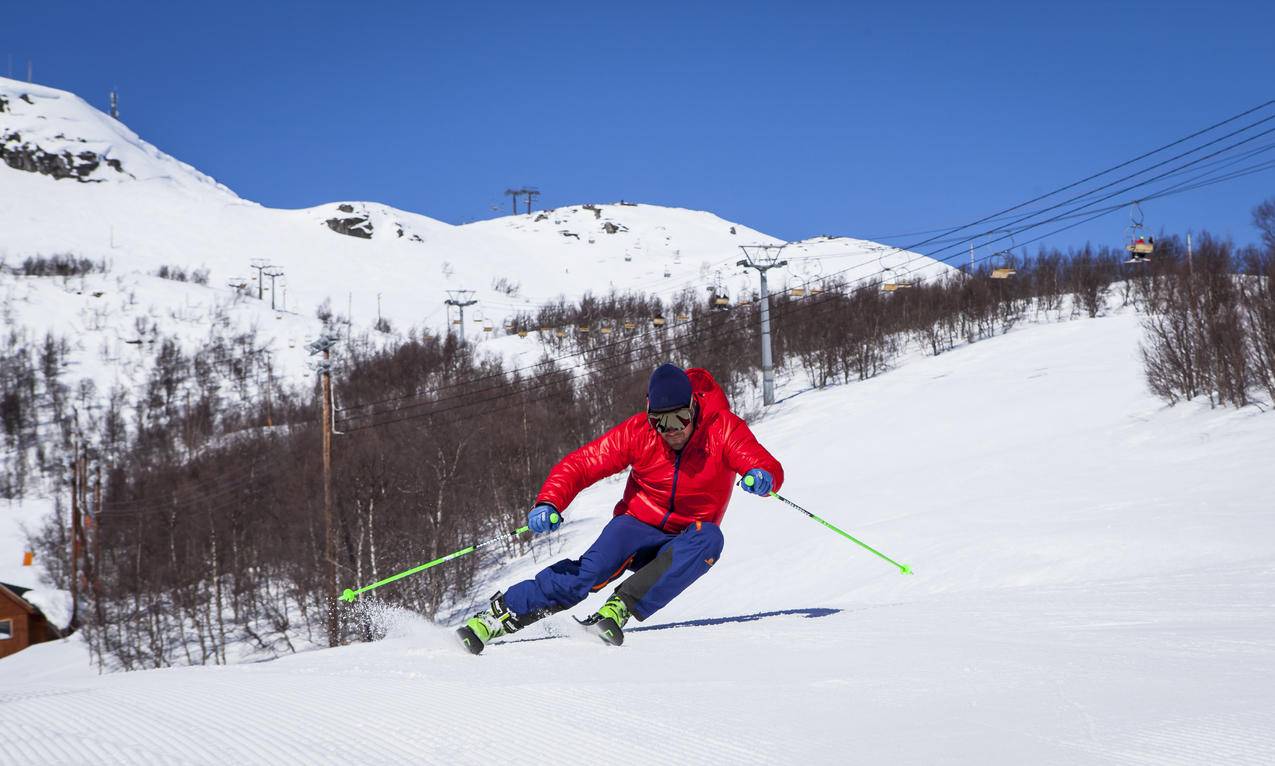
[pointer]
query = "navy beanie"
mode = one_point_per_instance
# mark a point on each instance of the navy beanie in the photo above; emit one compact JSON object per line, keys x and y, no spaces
{"x":669,"y":389}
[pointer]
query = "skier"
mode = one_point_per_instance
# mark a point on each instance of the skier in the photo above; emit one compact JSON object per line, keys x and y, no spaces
{"x":684,"y":453}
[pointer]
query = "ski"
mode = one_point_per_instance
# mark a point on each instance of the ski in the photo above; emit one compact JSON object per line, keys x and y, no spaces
{"x":604,"y":628}
{"x":469,"y":639}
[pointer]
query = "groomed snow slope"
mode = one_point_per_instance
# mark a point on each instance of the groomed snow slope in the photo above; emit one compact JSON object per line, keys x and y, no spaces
{"x":1093,"y":585}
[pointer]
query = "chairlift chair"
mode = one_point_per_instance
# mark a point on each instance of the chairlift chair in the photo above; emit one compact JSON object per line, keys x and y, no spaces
{"x":1140,"y":244}
{"x":812,"y":277}
{"x":1004,"y":270}
{"x":658,"y":321}
{"x":890,"y":282}
{"x":891,"y":279}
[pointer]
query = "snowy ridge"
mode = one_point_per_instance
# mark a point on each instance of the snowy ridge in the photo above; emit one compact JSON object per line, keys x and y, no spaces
{"x":58,"y":122}
{"x":159,"y":211}
{"x":1081,"y":596}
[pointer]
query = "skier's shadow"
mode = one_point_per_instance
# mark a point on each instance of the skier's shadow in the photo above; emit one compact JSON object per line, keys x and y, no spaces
{"x":810,"y":613}
{"x":706,"y":621}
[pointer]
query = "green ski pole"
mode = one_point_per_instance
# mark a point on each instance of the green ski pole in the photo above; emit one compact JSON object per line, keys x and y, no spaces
{"x":903,"y":568}
{"x":350,"y":593}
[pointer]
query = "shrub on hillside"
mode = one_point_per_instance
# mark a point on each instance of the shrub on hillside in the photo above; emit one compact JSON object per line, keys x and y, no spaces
{"x":60,"y":265}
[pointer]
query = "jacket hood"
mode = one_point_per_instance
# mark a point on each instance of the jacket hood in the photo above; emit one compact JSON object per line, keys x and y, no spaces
{"x":709,"y":396}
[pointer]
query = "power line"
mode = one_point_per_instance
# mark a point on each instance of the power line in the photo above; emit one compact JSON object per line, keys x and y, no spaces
{"x":425,"y":402}
{"x":781,"y":313}
{"x":950,"y":231}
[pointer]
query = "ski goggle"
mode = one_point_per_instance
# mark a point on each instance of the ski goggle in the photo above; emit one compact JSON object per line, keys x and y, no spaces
{"x":672,"y":420}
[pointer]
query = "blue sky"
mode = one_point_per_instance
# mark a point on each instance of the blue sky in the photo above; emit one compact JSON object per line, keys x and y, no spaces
{"x":797,"y":119}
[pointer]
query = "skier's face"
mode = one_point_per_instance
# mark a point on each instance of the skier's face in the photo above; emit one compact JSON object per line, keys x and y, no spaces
{"x":678,"y":439}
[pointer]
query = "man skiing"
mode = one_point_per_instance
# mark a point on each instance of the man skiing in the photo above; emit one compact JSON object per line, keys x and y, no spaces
{"x":685,"y":451}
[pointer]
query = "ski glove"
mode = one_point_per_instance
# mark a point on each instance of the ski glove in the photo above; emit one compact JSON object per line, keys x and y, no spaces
{"x":544,"y":518}
{"x":760,"y":484}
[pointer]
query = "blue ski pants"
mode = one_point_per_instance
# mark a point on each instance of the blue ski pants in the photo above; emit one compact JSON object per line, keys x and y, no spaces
{"x":665,"y":563}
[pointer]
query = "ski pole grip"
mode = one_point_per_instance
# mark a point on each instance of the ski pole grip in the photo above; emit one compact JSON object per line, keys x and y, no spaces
{"x":749,"y":480}
{"x":554,"y":518}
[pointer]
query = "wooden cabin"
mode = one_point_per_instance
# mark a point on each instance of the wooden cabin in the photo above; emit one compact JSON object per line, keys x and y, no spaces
{"x":21,"y":624}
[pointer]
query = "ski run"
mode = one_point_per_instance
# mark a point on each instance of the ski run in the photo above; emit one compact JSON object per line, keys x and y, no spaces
{"x":1094,"y":584}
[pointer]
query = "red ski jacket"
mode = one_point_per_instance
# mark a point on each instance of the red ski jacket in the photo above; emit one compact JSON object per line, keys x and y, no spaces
{"x":668,"y":489}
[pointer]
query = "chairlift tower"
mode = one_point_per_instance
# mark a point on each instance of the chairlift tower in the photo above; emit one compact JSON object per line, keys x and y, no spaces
{"x":460,"y":299}
{"x":530,"y":191}
{"x":513,"y":198}
{"x":273,"y":274}
{"x":260,"y":264}
{"x":764,"y":258}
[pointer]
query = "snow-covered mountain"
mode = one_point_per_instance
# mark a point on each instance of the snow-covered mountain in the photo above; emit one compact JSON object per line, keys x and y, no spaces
{"x":1093,"y":585}
{"x":74,"y":180}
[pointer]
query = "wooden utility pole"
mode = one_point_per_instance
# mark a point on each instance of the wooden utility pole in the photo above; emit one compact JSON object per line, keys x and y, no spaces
{"x":329,"y":534}
{"x":75,"y":540}
{"x":324,"y":345}
{"x":84,"y":511}
{"x":97,"y":536}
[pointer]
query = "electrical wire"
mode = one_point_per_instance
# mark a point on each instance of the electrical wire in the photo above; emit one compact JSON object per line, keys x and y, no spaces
{"x":910,"y":270}
{"x":949,"y":231}
{"x":1090,"y":215}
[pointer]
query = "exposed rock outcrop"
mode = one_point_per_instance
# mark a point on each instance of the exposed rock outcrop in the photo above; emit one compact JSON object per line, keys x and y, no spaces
{"x":354,"y":227}
{"x":21,"y":155}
